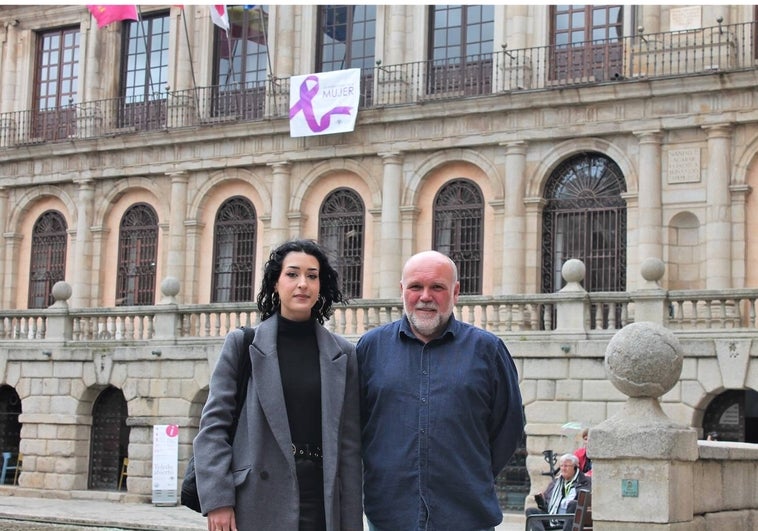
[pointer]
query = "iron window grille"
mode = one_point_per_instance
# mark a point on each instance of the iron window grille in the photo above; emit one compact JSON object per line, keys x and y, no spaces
{"x":48,"y":258}
{"x":341,"y":228}
{"x":234,"y":252}
{"x":137,"y":251}
{"x":457,"y":228}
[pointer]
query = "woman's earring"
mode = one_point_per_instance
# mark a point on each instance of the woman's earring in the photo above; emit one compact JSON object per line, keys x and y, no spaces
{"x":275,"y":299}
{"x":320,"y":302}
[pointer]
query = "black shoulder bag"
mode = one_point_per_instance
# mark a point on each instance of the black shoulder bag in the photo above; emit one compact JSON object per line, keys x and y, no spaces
{"x":189,"y":484}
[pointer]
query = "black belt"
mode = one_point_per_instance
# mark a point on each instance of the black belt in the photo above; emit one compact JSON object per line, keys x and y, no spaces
{"x":307,"y":451}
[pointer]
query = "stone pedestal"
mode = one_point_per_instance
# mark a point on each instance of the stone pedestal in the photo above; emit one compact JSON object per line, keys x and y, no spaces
{"x":643,"y":472}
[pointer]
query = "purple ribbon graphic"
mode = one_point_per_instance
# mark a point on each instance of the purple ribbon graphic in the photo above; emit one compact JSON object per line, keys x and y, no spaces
{"x":305,"y":104}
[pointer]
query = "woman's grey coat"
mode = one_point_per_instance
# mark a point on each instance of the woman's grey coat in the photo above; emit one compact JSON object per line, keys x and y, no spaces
{"x":256,"y":474}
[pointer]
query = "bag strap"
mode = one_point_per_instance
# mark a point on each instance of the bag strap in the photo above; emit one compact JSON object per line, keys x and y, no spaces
{"x":244,"y":368}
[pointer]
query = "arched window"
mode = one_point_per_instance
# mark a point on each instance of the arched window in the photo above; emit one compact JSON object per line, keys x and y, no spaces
{"x":48,"y":259}
{"x":109,"y":440}
{"x":234,"y":252}
{"x":137,"y":254}
{"x":458,"y":220}
{"x":585,"y":218}
{"x":341,"y":234}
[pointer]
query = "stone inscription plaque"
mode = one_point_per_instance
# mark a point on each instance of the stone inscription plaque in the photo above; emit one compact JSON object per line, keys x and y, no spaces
{"x":684,"y":166}
{"x":685,"y":18}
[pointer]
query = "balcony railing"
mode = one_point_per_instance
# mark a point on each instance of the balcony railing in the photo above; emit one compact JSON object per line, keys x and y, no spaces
{"x":722,"y":48}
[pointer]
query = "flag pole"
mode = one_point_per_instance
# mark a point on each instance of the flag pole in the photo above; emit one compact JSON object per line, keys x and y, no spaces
{"x":264,"y":25}
{"x":144,"y":41}
{"x":189,"y":47}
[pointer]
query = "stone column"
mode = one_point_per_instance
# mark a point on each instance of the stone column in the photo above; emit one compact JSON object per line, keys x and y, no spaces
{"x":82,"y":275}
{"x":395,"y":40}
{"x":651,"y":18}
{"x":3,"y":225}
{"x":12,"y":243}
{"x":10,"y":67}
{"x":280,"y":203}
{"x":390,"y":260}
{"x":649,"y":242}
{"x":642,"y":461}
{"x":514,"y":220}
{"x":718,"y":235}
{"x":175,"y":265}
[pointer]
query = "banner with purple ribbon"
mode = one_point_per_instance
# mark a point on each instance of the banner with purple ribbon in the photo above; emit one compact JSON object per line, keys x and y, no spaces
{"x":324,"y":103}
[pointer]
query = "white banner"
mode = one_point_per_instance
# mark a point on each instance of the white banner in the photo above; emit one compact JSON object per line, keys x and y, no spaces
{"x":324,"y":103}
{"x":165,"y":463}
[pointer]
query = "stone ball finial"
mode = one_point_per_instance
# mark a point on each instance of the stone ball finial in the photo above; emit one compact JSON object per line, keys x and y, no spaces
{"x":652,"y":269}
{"x":61,"y":291}
{"x":170,"y":286}
{"x":644,"y":360}
{"x":573,"y":270}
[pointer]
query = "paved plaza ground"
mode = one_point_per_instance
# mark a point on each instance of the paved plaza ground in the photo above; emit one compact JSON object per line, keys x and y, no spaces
{"x":24,"y":513}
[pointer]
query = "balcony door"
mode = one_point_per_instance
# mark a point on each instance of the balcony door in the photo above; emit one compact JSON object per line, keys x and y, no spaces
{"x":586,"y":43}
{"x":241,"y":64}
{"x":460,"y":49}
{"x":56,"y":85}
{"x":145,"y":73}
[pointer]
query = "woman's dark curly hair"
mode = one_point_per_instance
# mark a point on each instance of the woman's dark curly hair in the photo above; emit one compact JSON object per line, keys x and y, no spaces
{"x":329,"y":293}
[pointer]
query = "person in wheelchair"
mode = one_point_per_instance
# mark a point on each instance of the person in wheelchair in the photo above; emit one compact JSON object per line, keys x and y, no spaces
{"x":559,"y":497}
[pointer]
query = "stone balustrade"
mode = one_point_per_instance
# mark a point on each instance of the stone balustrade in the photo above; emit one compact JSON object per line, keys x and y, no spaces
{"x":571,"y":311}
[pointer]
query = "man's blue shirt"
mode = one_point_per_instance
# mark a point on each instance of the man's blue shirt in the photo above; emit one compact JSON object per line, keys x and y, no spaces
{"x":440,"y":421}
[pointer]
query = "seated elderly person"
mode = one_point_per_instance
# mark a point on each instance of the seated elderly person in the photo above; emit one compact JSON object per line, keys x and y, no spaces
{"x":560,"y":496}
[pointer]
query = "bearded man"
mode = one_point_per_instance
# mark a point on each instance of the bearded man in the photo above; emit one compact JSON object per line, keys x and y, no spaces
{"x":441,"y":410}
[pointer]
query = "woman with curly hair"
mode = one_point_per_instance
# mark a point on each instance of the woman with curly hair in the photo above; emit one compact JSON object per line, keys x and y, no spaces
{"x":294,"y":463}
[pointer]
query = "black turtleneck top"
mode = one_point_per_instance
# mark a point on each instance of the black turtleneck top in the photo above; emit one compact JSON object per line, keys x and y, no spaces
{"x":299,"y":365}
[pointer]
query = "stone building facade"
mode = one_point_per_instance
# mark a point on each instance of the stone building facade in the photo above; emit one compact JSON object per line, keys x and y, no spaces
{"x":156,"y":192}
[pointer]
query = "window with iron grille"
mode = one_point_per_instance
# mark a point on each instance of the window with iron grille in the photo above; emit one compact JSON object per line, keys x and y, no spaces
{"x":460,"y":48}
{"x":586,"y":42}
{"x":241,"y":63}
{"x":341,"y":234}
{"x":48,"y":259}
{"x":585,"y":218}
{"x":137,"y":252}
{"x":346,"y":38}
{"x":234,"y":252}
{"x":145,"y":72}
{"x":56,"y":83}
{"x":458,"y":215}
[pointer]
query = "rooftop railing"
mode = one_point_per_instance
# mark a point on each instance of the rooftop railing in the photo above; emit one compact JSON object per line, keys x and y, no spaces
{"x":721,"y":48}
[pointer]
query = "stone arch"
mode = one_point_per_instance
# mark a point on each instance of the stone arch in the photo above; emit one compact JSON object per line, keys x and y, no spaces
{"x":199,"y":199}
{"x":732,"y":414}
{"x":750,"y":178}
{"x":745,"y":164}
{"x":26,"y":200}
{"x":328,"y":167}
{"x":125,"y":186}
{"x":436,"y":160}
{"x":685,"y":265}
{"x":539,"y":178}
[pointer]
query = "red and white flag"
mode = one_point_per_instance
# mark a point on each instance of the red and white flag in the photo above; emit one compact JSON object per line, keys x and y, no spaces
{"x":105,"y":15}
{"x":220,"y":16}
